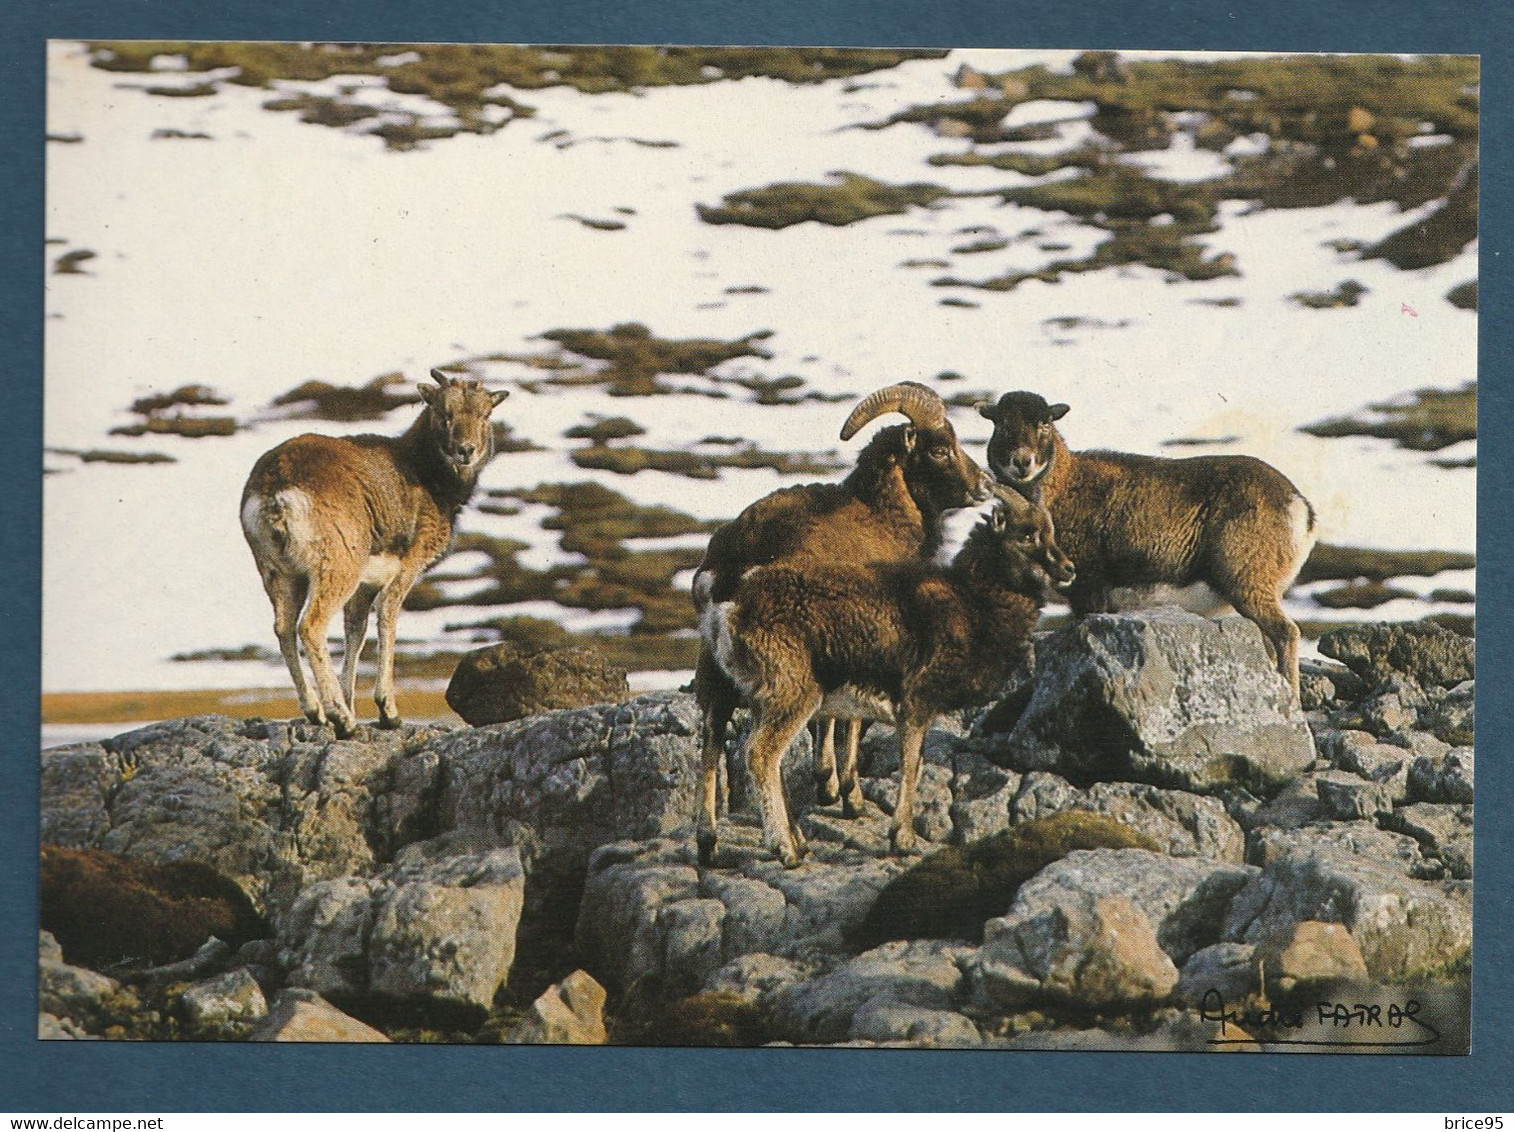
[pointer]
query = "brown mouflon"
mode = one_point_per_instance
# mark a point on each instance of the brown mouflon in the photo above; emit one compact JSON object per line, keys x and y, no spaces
{"x":889,"y":508}
{"x":1233,"y":523}
{"x":347,"y":522}
{"x":901,"y":641}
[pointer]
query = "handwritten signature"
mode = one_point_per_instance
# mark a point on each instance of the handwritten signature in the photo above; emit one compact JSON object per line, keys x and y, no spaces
{"x":1399,"y":1023}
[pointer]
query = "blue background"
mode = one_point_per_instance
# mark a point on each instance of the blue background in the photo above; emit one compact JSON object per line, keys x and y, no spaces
{"x":83,"y":1077}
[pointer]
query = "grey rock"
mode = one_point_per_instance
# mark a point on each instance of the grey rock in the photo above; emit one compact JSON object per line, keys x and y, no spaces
{"x":1453,"y":718}
{"x":570,"y":1012}
{"x":1362,"y":839}
{"x":446,"y":930}
{"x":1309,"y":952}
{"x":1294,"y":805}
{"x":1349,"y":797}
{"x":1404,"y":927}
{"x":1182,"y":824}
{"x":1426,"y":653}
{"x":890,"y":1024}
{"x":48,"y":947}
{"x":442,"y":930}
{"x":1097,"y":951}
{"x":1444,"y":831}
{"x":1359,"y":752}
{"x":277,"y":807}
{"x":299,"y":1015}
{"x":1184,"y":898}
{"x":578,"y":779}
{"x":232,"y":997}
{"x":649,"y":911}
{"x":1227,"y":969}
{"x":323,"y":937}
{"x":1166,"y":698}
{"x":755,"y":976}
{"x":86,"y":997}
{"x":896,"y":988}
{"x":1449,"y":778}
{"x":272,"y":806}
{"x":1387,"y":716}
{"x":52,"y":1028}
{"x":1315,"y":690}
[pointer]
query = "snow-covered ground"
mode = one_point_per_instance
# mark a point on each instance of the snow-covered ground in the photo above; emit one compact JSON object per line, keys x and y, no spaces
{"x":277,"y":252}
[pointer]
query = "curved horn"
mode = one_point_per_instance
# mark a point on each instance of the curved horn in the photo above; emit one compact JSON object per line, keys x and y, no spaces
{"x":440,"y":378}
{"x":917,"y":402}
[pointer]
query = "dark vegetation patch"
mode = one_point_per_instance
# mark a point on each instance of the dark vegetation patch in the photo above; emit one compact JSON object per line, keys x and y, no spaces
{"x":950,"y":893}
{"x":1463,"y":295}
{"x":1455,"y":597}
{"x":635,"y":361}
{"x":953,"y":301}
{"x":463,"y":77}
{"x":627,"y":460}
{"x":595,"y":522}
{"x":108,"y":911}
{"x":601,"y":430}
{"x":246,"y":652}
{"x":937,"y":263}
{"x":595,"y":223}
{"x":977,"y":246}
{"x":1426,"y":421}
{"x":786,"y":390}
{"x":112,"y":456}
{"x":1338,"y":127}
{"x":644,"y":1018}
{"x":1329,"y":562}
{"x":320,"y":400}
{"x":180,"y":135}
{"x":1199,"y":441}
{"x":69,"y":263}
{"x":1347,"y":294}
{"x":849,"y":199}
{"x":164,"y":414}
{"x":1361,"y":595}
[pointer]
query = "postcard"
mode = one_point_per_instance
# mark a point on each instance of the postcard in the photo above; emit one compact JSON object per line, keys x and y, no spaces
{"x":733,"y":546}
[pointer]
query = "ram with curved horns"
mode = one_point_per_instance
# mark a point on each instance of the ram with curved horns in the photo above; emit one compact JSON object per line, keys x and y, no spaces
{"x":890,"y":508}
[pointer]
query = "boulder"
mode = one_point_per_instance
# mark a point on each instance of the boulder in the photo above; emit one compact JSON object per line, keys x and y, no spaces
{"x":900,"y":992}
{"x":1100,"y":952}
{"x":650,"y":911}
{"x":1358,"y":838}
{"x":1175,"y":822}
{"x":441,"y":930}
{"x":1226,"y":969}
{"x":1349,"y":797}
{"x":953,"y":891}
{"x":1309,"y":952}
{"x":1166,"y":698}
{"x":1185,"y":898}
{"x":1443,"y":831}
{"x":232,"y":997}
{"x":498,"y":685}
{"x":1422,"y":651}
{"x":568,"y":1013}
{"x":1405,"y":928}
{"x":303,"y":1016}
{"x":85,"y":998}
{"x":1448,"y":778}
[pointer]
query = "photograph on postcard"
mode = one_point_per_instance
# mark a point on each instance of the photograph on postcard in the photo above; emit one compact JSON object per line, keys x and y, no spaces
{"x":934,"y":548}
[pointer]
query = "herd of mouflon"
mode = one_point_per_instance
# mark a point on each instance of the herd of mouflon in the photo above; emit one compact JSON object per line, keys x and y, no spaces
{"x":824,"y":611}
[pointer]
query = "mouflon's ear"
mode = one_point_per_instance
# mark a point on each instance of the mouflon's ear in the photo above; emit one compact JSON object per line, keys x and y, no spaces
{"x":1058,"y":412}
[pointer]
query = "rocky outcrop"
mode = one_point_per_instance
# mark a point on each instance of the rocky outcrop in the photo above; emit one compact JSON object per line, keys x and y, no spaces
{"x":1142,"y":826}
{"x":1166,"y":698}
{"x":1423,"y":652}
{"x":498,"y":685}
